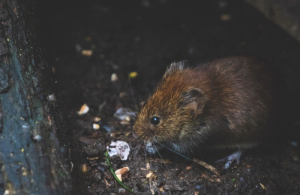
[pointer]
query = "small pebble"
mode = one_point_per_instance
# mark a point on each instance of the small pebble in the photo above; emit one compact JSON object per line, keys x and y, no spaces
{"x":242,"y":179}
{"x":37,"y":138}
{"x":100,"y":168}
{"x":78,"y":48}
{"x":199,"y":187}
{"x":51,"y":98}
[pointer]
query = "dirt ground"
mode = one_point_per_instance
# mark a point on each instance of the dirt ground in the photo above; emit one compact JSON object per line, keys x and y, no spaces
{"x":88,"y":41}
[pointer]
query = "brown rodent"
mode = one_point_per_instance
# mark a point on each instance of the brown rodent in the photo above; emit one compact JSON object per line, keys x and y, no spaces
{"x":226,"y":103}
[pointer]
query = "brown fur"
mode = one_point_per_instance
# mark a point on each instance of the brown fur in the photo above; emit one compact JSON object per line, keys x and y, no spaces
{"x":224,"y":103}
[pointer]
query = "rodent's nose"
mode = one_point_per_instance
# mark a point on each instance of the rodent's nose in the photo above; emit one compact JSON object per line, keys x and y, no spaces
{"x":147,"y":133}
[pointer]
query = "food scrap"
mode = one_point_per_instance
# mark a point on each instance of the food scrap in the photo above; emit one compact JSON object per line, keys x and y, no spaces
{"x":120,"y":172}
{"x":96,"y":126}
{"x":83,"y":110}
{"x":119,"y":148}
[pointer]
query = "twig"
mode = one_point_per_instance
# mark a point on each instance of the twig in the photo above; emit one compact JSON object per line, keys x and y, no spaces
{"x":207,"y":166}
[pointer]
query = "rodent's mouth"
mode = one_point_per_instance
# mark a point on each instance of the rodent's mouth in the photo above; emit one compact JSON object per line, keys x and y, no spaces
{"x":144,"y":135}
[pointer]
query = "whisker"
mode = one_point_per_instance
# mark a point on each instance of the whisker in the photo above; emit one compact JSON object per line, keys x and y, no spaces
{"x":199,"y":162}
{"x":127,"y":104}
{"x":136,"y":107}
{"x":173,"y":150}
{"x":163,"y":161}
{"x":137,"y":150}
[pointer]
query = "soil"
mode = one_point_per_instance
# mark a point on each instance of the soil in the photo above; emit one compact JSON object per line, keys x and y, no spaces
{"x":145,"y":36}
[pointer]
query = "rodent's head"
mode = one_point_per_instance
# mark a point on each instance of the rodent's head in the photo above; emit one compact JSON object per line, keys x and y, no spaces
{"x":169,"y":114}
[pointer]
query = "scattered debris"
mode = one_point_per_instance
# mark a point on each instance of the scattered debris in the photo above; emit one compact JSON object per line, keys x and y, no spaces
{"x":124,"y":114}
{"x":119,"y":148}
{"x":125,"y":123}
{"x":26,"y":126}
{"x":114,"y":77}
{"x":83,"y":110}
{"x":106,"y":183}
{"x":96,"y":126}
{"x":262,"y":186}
{"x":121,"y":190}
{"x":51,"y":98}
{"x":49,"y":120}
{"x":149,"y":175}
{"x":97,"y":119}
{"x":207,"y":166}
{"x":87,"y":53}
{"x":133,"y":75}
{"x":70,"y":159}
{"x":188,"y":168}
{"x":148,"y":167}
{"x":120,"y":172}
{"x":37,"y":138}
{"x":107,"y":128}
{"x":84,"y":168}
{"x":93,"y":158}
{"x":7,"y":192}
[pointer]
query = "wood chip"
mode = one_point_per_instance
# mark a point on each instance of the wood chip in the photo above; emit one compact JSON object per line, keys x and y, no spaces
{"x":188,"y":168}
{"x":149,"y":175}
{"x":93,"y":158}
{"x":262,"y":186}
{"x":207,"y":166}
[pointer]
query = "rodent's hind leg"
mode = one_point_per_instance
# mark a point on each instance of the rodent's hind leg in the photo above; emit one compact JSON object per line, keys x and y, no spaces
{"x":231,"y":158}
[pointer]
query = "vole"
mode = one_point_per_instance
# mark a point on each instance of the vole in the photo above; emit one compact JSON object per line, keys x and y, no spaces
{"x":227,"y":103}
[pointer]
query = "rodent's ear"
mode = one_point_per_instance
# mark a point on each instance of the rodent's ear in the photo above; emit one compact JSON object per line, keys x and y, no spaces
{"x":193,"y":99}
{"x":175,"y":66}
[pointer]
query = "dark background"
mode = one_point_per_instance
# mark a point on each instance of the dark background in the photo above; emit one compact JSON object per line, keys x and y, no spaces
{"x":146,"y":36}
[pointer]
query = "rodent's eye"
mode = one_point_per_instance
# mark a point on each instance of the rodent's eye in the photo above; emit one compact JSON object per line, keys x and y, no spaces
{"x":155,"y":120}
